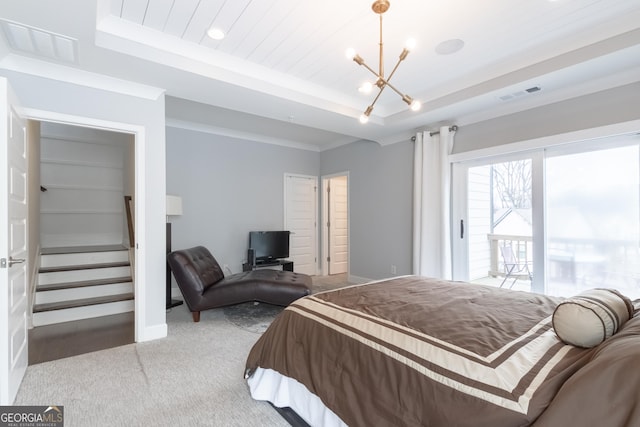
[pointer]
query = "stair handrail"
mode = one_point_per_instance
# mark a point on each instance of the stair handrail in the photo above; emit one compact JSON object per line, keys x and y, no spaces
{"x":127,"y":205}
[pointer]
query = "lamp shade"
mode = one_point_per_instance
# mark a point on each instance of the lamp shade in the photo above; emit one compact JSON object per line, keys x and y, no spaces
{"x":174,"y":205}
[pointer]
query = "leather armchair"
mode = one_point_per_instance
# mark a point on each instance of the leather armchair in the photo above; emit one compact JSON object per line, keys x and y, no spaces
{"x":204,"y":285}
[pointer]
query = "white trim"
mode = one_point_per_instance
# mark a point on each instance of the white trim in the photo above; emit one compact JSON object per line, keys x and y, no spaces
{"x":140,"y":254}
{"x":71,"y":75}
{"x":459,"y":212}
{"x":233,"y":133}
{"x":538,"y":221}
{"x":151,"y":333}
{"x":549,"y":141}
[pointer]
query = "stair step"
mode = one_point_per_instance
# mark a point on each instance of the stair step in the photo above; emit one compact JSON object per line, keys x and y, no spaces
{"x":83,"y":258}
{"x":44,"y":318}
{"x":66,"y":276}
{"x":82,"y":249}
{"x":82,"y":284}
{"x":83,"y":267}
{"x":72,"y":294}
{"x":62,"y":305}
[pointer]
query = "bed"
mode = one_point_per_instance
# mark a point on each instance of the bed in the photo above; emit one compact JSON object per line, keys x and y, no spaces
{"x":416,"y":351}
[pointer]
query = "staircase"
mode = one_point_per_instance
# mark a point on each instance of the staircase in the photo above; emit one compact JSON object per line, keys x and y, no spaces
{"x":82,"y":283}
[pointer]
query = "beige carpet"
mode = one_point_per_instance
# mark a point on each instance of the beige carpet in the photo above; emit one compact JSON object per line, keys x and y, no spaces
{"x":194,"y":377}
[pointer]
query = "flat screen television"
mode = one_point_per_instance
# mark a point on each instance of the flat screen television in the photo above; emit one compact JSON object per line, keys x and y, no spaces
{"x":269,"y":245}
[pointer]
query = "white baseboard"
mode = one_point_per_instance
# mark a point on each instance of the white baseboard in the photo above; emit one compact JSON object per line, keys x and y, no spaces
{"x":151,"y":333}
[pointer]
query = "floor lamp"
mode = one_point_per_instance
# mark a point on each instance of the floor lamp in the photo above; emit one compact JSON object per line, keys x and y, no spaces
{"x":174,"y":208}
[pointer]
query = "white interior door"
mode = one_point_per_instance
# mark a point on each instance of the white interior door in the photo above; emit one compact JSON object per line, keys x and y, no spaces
{"x":338,"y":225}
{"x":13,"y":248}
{"x":301,"y":220}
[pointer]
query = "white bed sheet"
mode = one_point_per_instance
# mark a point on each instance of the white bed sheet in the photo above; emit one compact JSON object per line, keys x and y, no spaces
{"x":281,"y":391}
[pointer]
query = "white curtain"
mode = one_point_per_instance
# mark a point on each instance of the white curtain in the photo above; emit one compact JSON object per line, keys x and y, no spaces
{"x":431,"y":204}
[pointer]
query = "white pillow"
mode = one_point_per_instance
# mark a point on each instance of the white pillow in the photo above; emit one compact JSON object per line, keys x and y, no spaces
{"x":589,"y":318}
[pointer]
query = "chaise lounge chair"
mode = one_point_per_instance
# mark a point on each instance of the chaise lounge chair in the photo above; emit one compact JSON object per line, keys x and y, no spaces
{"x":204,"y":285}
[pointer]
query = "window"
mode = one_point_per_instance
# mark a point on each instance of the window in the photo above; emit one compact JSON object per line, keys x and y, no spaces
{"x":592,"y":218}
{"x":554,"y":220}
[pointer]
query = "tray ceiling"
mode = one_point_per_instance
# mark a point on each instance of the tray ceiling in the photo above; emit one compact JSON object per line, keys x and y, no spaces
{"x":282,"y":68}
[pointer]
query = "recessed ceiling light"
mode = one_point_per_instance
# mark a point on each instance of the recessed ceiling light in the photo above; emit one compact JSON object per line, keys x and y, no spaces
{"x":448,"y":47}
{"x":215,"y":33}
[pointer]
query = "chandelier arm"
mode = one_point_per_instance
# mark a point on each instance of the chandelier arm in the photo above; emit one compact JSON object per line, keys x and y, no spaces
{"x":364,"y":64}
{"x":394,"y":70}
{"x":377,"y":96}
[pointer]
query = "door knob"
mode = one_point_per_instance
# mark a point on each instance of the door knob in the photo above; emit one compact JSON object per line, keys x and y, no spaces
{"x":15,"y":261}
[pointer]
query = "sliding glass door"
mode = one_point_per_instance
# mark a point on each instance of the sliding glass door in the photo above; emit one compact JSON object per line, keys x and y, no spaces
{"x":593,"y":220}
{"x":554,"y":221}
{"x":496,"y":220}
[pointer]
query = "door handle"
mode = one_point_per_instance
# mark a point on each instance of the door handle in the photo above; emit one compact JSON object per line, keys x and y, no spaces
{"x":15,"y":261}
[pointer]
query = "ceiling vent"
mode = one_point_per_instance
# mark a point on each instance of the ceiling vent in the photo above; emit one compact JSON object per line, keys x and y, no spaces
{"x":40,"y":43}
{"x":520,"y":93}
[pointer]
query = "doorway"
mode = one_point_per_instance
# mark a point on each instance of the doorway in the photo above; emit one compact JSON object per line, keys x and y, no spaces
{"x":138,"y":151}
{"x":335,"y":224}
{"x":84,"y":292}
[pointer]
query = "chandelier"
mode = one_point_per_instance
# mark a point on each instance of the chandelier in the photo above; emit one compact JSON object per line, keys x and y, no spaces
{"x":380,"y":7}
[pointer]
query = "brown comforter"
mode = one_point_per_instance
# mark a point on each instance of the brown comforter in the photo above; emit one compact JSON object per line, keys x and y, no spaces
{"x":413,"y":351}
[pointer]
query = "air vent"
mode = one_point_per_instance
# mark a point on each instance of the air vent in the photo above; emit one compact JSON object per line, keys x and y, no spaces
{"x":520,"y":93}
{"x":37,"y":42}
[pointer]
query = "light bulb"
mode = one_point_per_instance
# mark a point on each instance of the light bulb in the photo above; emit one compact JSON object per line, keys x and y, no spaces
{"x":415,"y":105}
{"x":410,"y":44}
{"x":364,"y":119}
{"x":366,"y":87}
{"x":350,"y":53}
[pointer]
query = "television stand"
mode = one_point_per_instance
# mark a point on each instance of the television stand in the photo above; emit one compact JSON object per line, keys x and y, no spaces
{"x":284,"y":263}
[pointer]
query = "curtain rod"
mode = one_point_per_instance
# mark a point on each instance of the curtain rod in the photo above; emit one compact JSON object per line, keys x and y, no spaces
{"x":437,"y":132}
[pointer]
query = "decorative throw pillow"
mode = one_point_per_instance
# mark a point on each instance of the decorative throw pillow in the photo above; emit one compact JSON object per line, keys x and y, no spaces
{"x":590,"y":317}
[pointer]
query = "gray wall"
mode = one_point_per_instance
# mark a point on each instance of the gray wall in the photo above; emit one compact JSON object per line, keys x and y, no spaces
{"x":380,"y":205}
{"x":86,"y":172}
{"x":381,"y":182}
{"x":228,"y":188}
{"x":612,"y":106}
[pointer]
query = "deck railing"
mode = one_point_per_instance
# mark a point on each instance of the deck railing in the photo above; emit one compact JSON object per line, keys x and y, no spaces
{"x":522,"y":248}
